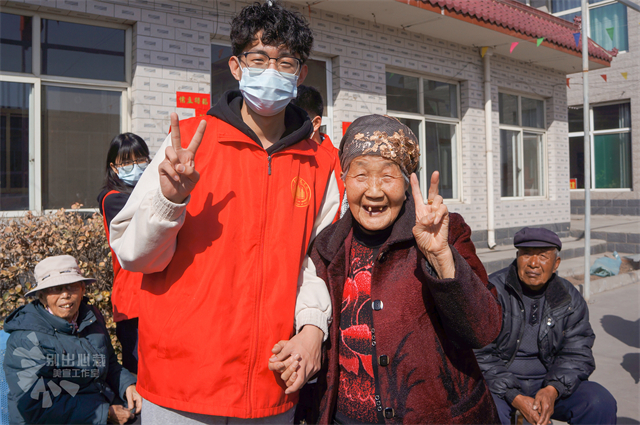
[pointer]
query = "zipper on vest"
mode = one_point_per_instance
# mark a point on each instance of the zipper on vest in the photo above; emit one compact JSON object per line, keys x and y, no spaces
{"x":269,"y":168}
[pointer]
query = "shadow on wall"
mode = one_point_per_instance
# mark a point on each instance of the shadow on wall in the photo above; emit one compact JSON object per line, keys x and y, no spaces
{"x":624,"y":330}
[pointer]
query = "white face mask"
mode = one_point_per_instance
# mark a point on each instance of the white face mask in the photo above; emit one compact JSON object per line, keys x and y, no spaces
{"x":267,"y":92}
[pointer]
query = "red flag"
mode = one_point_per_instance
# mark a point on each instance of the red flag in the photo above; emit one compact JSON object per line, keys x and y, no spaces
{"x":604,"y":77}
{"x":568,"y":82}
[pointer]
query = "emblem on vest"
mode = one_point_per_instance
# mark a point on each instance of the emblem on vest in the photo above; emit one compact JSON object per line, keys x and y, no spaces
{"x":301,"y":192}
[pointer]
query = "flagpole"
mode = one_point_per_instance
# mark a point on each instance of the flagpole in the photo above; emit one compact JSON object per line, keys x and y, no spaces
{"x":587,"y":150}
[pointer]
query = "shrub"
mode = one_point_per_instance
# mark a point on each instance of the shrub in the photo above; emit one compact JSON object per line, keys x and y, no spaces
{"x":26,"y":240}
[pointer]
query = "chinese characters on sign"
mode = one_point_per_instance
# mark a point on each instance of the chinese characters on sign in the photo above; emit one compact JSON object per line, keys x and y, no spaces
{"x":198,"y":101}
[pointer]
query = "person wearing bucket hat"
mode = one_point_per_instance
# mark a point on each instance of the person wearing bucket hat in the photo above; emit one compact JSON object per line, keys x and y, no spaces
{"x":59,"y":363}
{"x":540,"y":363}
{"x":409,"y":294}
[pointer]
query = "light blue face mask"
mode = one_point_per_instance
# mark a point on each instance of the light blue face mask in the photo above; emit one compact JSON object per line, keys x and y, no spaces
{"x":267,"y":92}
{"x":131,"y":177}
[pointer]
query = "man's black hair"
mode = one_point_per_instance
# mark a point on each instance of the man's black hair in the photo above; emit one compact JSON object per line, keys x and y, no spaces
{"x":279,"y":25}
{"x":309,"y":99}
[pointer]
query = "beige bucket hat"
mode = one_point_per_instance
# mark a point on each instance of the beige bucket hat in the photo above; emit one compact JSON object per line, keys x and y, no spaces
{"x":56,"y":271}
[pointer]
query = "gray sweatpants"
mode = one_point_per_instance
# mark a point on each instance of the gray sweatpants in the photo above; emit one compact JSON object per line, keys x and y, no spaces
{"x":152,"y":414}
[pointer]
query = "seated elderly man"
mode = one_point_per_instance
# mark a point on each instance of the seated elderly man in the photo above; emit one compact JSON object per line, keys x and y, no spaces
{"x":540,"y":362}
{"x":59,"y":362}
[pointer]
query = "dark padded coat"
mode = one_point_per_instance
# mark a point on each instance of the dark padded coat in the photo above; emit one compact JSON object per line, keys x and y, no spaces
{"x":427,"y":327}
{"x":40,"y":347}
{"x":565,"y":338}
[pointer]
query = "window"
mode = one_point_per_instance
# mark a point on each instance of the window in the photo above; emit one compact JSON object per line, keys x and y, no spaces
{"x":521,"y":146}
{"x":318,"y":76}
{"x":610,"y":141}
{"x":430,"y":109}
{"x":58,"y":118}
{"x":607,"y":20}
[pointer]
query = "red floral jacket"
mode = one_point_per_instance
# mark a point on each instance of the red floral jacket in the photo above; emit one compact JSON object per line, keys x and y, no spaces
{"x":426,"y":328}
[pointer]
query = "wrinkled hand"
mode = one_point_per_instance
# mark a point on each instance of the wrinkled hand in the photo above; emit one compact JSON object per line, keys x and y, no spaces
{"x":299,"y":358}
{"x":133,"y":399}
{"x":525,"y":405}
{"x":178,"y":175}
{"x":119,"y":414}
{"x":543,"y":404}
{"x":432,"y":227}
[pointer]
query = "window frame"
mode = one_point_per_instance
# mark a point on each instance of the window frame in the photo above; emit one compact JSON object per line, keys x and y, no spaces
{"x":39,"y":80}
{"x":590,"y":6}
{"x":592,"y":134}
{"x":543,"y":156}
{"x":425,"y":180}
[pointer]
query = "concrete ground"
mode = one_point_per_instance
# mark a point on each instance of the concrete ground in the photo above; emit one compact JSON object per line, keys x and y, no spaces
{"x":607,"y":223}
{"x":615,"y":318}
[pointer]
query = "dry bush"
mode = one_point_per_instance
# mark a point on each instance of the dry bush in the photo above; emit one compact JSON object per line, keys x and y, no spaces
{"x":24,"y":241}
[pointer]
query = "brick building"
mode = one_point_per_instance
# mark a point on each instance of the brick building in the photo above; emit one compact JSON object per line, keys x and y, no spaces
{"x":74,"y":73}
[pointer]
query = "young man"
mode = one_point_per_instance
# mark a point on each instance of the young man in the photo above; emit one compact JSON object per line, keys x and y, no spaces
{"x":310,"y":99}
{"x":541,"y":361}
{"x":221,"y":225}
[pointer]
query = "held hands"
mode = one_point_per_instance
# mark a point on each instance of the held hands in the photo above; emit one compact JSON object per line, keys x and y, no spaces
{"x":119,"y":414}
{"x":178,"y":175}
{"x":525,"y":405}
{"x":298,"y":359}
{"x":543,"y":404}
{"x":432,"y":227}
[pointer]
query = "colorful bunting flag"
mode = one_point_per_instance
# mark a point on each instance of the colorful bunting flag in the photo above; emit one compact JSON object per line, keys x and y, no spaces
{"x":576,"y":37}
{"x":568,"y":82}
{"x":610,"y":32}
{"x":539,"y":42}
{"x":513,"y":46}
{"x":604,"y":77}
{"x":624,"y":75}
{"x":483,"y":51}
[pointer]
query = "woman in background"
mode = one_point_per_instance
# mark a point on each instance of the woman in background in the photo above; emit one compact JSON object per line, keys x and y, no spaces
{"x":127,"y":159}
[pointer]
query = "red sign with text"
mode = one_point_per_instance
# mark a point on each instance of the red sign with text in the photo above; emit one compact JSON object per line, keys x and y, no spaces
{"x":198,"y":101}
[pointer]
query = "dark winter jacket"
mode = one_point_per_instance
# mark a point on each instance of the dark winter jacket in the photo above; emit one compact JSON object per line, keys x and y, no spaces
{"x":564,"y":340}
{"x":58,"y":375}
{"x":427,"y":327}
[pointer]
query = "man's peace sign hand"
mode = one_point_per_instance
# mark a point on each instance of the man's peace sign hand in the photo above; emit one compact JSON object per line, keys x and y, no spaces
{"x":432,"y":227}
{"x":178,"y":175}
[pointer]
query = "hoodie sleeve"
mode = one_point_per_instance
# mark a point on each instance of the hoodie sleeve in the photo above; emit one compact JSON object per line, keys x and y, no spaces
{"x":143,"y":234}
{"x":313,"y":304}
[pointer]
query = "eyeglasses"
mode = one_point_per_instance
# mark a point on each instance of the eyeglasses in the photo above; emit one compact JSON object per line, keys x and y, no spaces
{"x":127,"y":166}
{"x":284,"y":64}
{"x":70,"y":287}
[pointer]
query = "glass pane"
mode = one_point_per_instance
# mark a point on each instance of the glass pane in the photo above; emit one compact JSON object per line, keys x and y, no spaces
{"x":14,"y":146}
{"x":402,"y":93}
{"x":440,"y":156}
{"x":532,"y":162}
{"x":440,"y":99}
{"x":576,"y":160}
{"x":317,"y":78}
{"x":570,"y":17}
{"x":15,"y":43}
{"x":221,"y":77}
{"x":77,"y":127}
{"x":508,"y":162}
{"x":82,"y":51}
{"x":532,"y":113}
{"x":608,"y":117}
{"x":576,"y":119}
{"x":609,"y":26}
{"x":560,"y":5}
{"x":508,"y":107}
{"x":612,"y":160}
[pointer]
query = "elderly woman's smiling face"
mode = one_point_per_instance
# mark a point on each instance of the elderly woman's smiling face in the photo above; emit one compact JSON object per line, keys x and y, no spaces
{"x":63,"y":300}
{"x":375,"y":191}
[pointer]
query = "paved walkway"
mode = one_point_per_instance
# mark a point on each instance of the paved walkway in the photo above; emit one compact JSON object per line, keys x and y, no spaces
{"x":608,"y":223}
{"x":615,"y":318}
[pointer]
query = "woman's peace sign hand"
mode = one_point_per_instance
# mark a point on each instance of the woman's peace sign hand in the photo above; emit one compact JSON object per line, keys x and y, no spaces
{"x":178,"y":175}
{"x":432,"y":227}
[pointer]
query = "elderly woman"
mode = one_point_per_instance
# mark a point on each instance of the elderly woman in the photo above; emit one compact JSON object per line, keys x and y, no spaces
{"x":59,"y":362}
{"x":408,"y":308}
